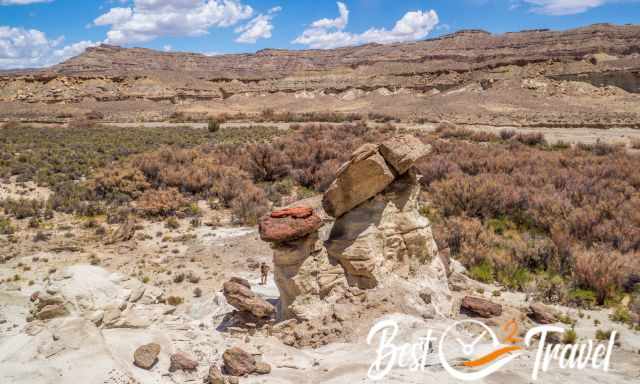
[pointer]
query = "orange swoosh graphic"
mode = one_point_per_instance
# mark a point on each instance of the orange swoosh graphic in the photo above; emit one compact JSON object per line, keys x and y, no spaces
{"x":491,"y":356}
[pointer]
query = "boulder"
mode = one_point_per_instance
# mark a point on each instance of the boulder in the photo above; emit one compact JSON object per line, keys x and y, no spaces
{"x":289,"y":224}
{"x":52,"y":311}
{"x":542,"y":314}
{"x":146,"y":356}
{"x":361,"y":178}
{"x":385,"y":234}
{"x":215,"y":375}
{"x":181,"y":361}
{"x":401,"y":152}
{"x":244,"y":299}
{"x":238,"y":362}
{"x":480,"y":307}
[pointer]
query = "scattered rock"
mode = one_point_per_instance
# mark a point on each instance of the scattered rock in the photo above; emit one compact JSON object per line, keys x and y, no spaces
{"x":215,"y":375}
{"x":51,"y":312}
{"x":183,"y":362}
{"x":237,"y":362}
{"x":263,"y":368}
{"x":289,"y":224}
{"x":481,"y":307}
{"x":542,"y":314}
{"x":146,"y":356}
{"x":241,"y":297}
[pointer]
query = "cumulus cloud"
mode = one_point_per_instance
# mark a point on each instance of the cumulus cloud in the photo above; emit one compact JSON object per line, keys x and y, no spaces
{"x":22,"y":2}
{"x":329,"y":33}
{"x":30,"y":48}
{"x":564,"y":7}
{"x":259,"y":27}
{"x":149,"y":19}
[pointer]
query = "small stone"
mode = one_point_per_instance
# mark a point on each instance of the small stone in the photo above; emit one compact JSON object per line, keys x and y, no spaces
{"x":542,"y":314}
{"x":52,"y":311}
{"x":263,"y":368}
{"x":181,"y":361}
{"x":481,"y":307}
{"x":237,"y":362}
{"x":146,"y":356}
{"x":215,"y":375}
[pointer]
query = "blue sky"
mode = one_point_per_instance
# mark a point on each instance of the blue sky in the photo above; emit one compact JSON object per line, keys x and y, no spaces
{"x":42,"y":32}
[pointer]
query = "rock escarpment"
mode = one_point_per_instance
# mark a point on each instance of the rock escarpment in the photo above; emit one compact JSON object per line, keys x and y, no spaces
{"x":377,"y":241}
{"x":469,"y":77}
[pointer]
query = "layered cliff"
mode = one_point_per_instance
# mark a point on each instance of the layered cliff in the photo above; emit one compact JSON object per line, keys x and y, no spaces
{"x":500,"y":76}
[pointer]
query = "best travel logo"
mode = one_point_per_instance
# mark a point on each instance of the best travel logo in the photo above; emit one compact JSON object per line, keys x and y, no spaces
{"x":469,"y":350}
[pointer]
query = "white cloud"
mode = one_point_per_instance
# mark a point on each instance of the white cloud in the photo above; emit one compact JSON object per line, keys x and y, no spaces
{"x":564,"y":7}
{"x":338,"y":23}
{"x":167,"y":48}
{"x":149,"y":19}
{"x":30,"y":48}
{"x":259,"y":27}
{"x":329,"y":33}
{"x":22,"y":2}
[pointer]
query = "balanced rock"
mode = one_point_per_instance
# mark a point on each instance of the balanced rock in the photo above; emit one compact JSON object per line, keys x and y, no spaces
{"x":361,"y":178}
{"x":238,"y":362}
{"x":181,"y":361}
{"x":146,"y":356}
{"x":288,"y":224}
{"x":542,"y":314}
{"x":481,"y":307}
{"x":401,"y":152}
{"x":241,"y":297}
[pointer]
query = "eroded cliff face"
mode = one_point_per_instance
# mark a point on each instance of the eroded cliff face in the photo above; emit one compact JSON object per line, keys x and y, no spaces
{"x":468,"y":67}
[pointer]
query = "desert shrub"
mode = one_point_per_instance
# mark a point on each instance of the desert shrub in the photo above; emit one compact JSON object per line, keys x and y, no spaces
{"x":266,"y":163}
{"x":531,"y":139}
{"x":514,"y":277}
{"x":249,"y":204}
{"x":175,"y":300}
{"x":162,"y":202}
{"x":507,"y":134}
{"x":601,"y":269}
{"x":602,"y":335}
{"x":621,"y":315}
{"x":23,"y":208}
{"x":41,"y":236}
{"x":599,"y":148}
{"x":5,"y":226}
{"x":569,"y":336}
{"x":213,"y":125}
{"x":482,"y":272}
{"x":172,"y":223}
{"x":582,"y":298}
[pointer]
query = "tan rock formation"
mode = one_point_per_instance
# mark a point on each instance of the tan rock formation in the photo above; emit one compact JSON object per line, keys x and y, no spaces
{"x":364,"y":176}
{"x":378,"y":236}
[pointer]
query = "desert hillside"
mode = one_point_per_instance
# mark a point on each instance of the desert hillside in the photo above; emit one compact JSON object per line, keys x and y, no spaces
{"x":529,"y":78}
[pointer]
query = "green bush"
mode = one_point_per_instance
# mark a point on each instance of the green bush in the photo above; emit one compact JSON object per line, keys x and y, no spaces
{"x":482,"y":272}
{"x":514,"y":278}
{"x":582,"y":298}
{"x":569,"y":336}
{"x":621,"y":315}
